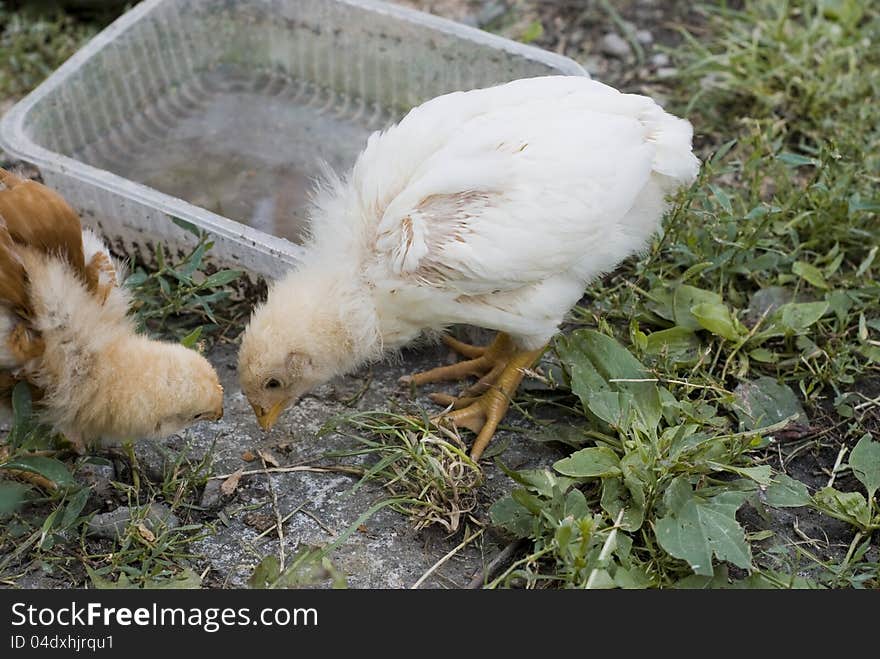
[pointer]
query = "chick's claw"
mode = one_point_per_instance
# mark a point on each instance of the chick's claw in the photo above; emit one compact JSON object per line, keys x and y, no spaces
{"x":464,"y":349}
{"x":483,"y":414}
{"x":480,"y":407}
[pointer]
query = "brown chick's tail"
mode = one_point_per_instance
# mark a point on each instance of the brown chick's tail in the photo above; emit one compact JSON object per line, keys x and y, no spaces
{"x":100,"y":276}
{"x":39,"y":217}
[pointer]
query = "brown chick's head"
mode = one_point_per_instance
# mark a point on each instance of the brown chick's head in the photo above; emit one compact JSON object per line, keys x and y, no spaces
{"x":309,"y":331}
{"x":154,"y":389}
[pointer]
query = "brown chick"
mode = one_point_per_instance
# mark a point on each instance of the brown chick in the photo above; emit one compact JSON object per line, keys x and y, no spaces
{"x":67,"y":332}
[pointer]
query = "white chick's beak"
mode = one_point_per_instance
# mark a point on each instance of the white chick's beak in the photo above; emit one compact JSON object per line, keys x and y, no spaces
{"x":267,"y":418}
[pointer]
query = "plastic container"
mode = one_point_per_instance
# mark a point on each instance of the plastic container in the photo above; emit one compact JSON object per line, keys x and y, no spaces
{"x":219,"y":112}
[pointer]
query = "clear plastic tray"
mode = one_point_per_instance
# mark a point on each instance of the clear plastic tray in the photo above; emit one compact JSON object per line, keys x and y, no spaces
{"x":219,"y":112}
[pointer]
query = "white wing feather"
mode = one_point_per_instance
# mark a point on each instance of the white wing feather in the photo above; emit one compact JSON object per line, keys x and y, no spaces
{"x":507,"y":186}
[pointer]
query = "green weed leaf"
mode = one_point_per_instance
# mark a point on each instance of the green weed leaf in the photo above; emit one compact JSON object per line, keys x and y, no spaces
{"x":511,"y":516}
{"x":221,"y":278}
{"x":810,"y":273}
{"x":786,"y":492}
{"x":687,"y":297}
{"x":598,"y":363}
{"x":590,"y":463}
{"x":717,"y":319}
{"x":55,"y":470}
{"x":12,"y":496}
{"x":695,"y":529}
{"x":763,"y":402}
{"x":865,"y":463}
{"x":849,"y":507}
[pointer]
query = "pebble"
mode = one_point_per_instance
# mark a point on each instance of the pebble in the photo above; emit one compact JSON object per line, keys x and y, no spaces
{"x":667,"y":72}
{"x":660,"y":59}
{"x":113,"y":524}
{"x":644,"y":37}
{"x":490,"y":12}
{"x":153,"y":459}
{"x":615,"y":45}
{"x":211,"y":495}
{"x":97,"y":476}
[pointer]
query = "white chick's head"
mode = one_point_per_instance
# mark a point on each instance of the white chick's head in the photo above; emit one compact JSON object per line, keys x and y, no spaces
{"x":311,"y":329}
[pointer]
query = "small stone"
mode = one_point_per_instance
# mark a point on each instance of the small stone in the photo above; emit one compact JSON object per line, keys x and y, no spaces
{"x":113,"y":524}
{"x":211,"y":495}
{"x":667,"y":72}
{"x":259,"y":521}
{"x":97,"y":476}
{"x":615,"y":45}
{"x":768,"y":189}
{"x":490,"y":12}
{"x":153,"y":459}
{"x":710,"y":80}
{"x":644,"y":37}
{"x":660,"y":59}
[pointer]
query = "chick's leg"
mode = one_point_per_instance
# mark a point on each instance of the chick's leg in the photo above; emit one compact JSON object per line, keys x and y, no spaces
{"x":481,"y":406}
{"x":482,"y":413}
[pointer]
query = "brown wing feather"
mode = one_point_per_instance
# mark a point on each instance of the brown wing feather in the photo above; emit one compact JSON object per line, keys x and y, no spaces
{"x":39,"y":217}
{"x":13,"y":277}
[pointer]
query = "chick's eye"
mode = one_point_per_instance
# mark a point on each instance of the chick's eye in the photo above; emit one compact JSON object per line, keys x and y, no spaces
{"x":272,"y":383}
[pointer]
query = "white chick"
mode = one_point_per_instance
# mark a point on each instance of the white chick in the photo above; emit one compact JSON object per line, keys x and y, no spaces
{"x":66,"y":330}
{"x":492,"y":207}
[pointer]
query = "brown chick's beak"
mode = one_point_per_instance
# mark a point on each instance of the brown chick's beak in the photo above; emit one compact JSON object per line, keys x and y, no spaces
{"x":267,"y":418}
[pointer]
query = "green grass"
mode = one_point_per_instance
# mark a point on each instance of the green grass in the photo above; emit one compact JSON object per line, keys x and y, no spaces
{"x":177,"y":299}
{"x":429,"y":478}
{"x":33,"y":45}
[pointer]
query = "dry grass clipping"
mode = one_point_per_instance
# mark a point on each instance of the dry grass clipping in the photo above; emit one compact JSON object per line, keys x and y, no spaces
{"x":431,"y":477}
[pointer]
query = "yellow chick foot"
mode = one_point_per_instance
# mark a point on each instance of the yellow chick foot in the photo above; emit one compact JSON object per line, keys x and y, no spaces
{"x":500,"y":368}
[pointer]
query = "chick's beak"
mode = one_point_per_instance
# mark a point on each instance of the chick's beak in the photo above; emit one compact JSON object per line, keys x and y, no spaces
{"x":267,"y":418}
